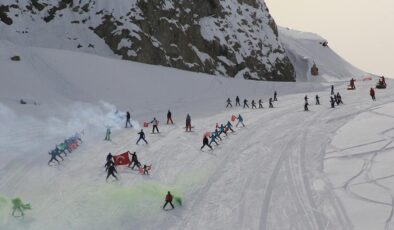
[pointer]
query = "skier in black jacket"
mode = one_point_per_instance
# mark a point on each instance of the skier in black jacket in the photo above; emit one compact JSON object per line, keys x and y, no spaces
{"x":270,"y":102}
{"x":142,"y":137}
{"x":128,"y":120}
{"x":254,"y":105}
{"x":237,"y":101}
{"x":317,"y":100}
{"x":205,"y":142}
{"x":246,"y":103}
{"x":111,"y":170}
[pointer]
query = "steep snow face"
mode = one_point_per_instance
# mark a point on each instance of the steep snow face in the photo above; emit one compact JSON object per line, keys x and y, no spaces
{"x":235,"y":38}
{"x":304,"y":49}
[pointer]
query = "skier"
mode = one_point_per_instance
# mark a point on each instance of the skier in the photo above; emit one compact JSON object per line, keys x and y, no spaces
{"x":205,"y":142}
{"x":230,"y":126}
{"x":213,"y":139}
{"x":332,"y":90}
{"x":229,"y":103}
{"x":237,"y":101}
{"x":53,"y":154}
{"x":17,"y":204}
{"x":146,"y":170}
{"x":108,"y":164}
{"x":306,"y":106}
{"x":222,"y":130}
{"x":240,"y":121}
{"x":306,"y":98}
{"x":188,"y":123}
{"x":270,"y":102}
{"x":339,"y":99}
{"x":254,"y":105}
{"x":383,"y":81}
{"x":108,"y":135}
{"x":260,"y":104}
{"x":155,"y":125}
{"x":332,"y":101}
{"x":168,"y":200}
{"x":352,"y":86}
{"x":317,"y":100}
{"x":217,"y":134}
{"x":128,"y":120}
{"x":372,"y":93}
{"x":246,"y":103}
{"x":111,"y":170}
{"x":134,"y":159}
{"x":169,"y":117}
{"x":109,"y":157}
{"x":275,"y":96}
{"x":142,"y":137}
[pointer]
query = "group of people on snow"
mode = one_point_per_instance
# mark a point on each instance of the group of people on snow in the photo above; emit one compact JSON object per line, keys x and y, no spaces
{"x":253,"y":102}
{"x":69,"y":145}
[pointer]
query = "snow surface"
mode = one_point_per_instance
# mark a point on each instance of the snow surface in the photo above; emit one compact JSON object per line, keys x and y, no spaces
{"x":287,"y":169}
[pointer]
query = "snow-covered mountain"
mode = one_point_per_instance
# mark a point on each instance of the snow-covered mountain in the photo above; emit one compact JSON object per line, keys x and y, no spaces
{"x":236,"y":38}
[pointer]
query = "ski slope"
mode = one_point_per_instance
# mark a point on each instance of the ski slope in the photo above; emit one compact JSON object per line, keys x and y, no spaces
{"x":284,"y":170}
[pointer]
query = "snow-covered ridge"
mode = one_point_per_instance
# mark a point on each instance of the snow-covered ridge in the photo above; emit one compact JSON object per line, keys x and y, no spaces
{"x":186,"y":34}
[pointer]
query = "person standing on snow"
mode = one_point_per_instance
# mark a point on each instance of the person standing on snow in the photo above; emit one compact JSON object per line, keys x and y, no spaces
{"x":169,"y":118}
{"x":128,"y":120}
{"x":205,"y":142}
{"x":306,"y":106}
{"x":142,"y":137}
{"x":260,"y":104}
{"x":270,"y":102}
{"x":109,"y":157}
{"x":229,"y":103}
{"x":146,"y":172}
{"x":254,"y":105}
{"x":240,"y":121}
{"x":134,"y":159}
{"x":53,"y":154}
{"x":222,"y":130}
{"x":108,"y":135}
{"x":108,"y":164}
{"x":155,"y":125}
{"x":332,"y":101}
{"x":372,"y":93}
{"x":275,"y":96}
{"x":213,"y":139}
{"x":217,"y":134}
{"x":168,"y":200}
{"x":317,"y":100}
{"x":339,"y":99}
{"x":111,"y":172}
{"x":229,"y":126}
{"x":188,"y":123}
{"x":246,"y":103}
{"x":237,"y":101}
{"x":332,"y":90}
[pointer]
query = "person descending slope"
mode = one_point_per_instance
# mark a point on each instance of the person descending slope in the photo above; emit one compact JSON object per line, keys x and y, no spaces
{"x":217,"y":134}
{"x":260,"y":104}
{"x":332,"y":101}
{"x":188,"y":123}
{"x":229,"y":126}
{"x":317,"y":100}
{"x":169,"y":118}
{"x":134,"y":161}
{"x":254,"y":105}
{"x":155,"y":125}
{"x":109,"y":157}
{"x":205,"y":142}
{"x":372,"y":93}
{"x":275,"y":96}
{"x":237,"y":101}
{"x":108,"y":164}
{"x":128,"y":120}
{"x":270,"y":102}
{"x":213,"y":138}
{"x":332,"y":90}
{"x":339,"y":99}
{"x":111,"y":170}
{"x":53,"y":154}
{"x":240,"y":121}
{"x":146,"y":172}
{"x":229,"y":103}
{"x":168,"y":200}
{"x":246,"y":103}
{"x":142,"y":137}
{"x":306,"y":103}
{"x":108,"y":135}
{"x":222,"y":130}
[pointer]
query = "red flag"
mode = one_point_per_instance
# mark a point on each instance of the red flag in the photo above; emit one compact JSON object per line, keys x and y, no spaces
{"x":207,"y":134}
{"x":146,"y":124}
{"x":217,"y":125}
{"x":233,"y":117}
{"x":122,"y":159}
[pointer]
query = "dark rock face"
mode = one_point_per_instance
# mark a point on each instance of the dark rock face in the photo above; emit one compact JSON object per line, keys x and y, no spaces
{"x":234,"y":38}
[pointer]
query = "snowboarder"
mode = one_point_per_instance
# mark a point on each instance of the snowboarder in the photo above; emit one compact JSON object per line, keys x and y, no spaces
{"x":168,"y":200}
{"x":275,"y":96}
{"x":169,"y":117}
{"x":260,"y":104}
{"x":230,"y":126}
{"x":246,"y":103}
{"x":128,"y":120}
{"x":142,"y":137}
{"x":254,"y":105}
{"x":332,"y":90}
{"x":108,"y":135}
{"x":240,"y":121}
{"x":17,"y":204}
{"x":317,"y":100}
{"x":155,"y":125}
{"x":188,"y":123}
{"x":332,"y":101}
{"x":213,"y":139}
{"x":229,"y":103}
{"x":146,"y":172}
{"x":111,"y":170}
{"x":372,"y":93}
{"x":237,"y":101}
{"x":205,"y":142}
{"x":270,"y":102}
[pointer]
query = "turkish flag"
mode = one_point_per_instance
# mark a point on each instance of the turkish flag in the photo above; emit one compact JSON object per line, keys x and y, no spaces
{"x":122,"y":159}
{"x":233,"y":117}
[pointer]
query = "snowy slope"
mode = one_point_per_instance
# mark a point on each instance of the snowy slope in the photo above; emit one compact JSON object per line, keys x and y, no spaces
{"x":305,"y":48}
{"x":270,"y":175}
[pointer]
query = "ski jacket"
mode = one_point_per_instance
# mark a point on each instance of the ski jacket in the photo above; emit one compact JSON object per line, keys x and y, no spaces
{"x":169,"y":114}
{"x":188,"y":119}
{"x":240,"y":118}
{"x":155,"y":122}
{"x":205,"y":140}
{"x":169,"y":197}
{"x":142,"y":134}
{"x":229,"y":125}
{"x":372,"y":92}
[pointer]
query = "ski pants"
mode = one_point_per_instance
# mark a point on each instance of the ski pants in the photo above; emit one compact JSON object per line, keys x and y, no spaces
{"x":111,"y":174}
{"x":237,"y":103}
{"x":168,"y":202}
{"x":206,"y":145}
{"x":53,"y":158}
{"x":246,"y":105}
{"x":128,"y":123}
{"x":169,"y":119}
{"x":188,"y":127}
{"x":155,"y":128}
{"x":141,"y":138}
{"x":260,"y":106}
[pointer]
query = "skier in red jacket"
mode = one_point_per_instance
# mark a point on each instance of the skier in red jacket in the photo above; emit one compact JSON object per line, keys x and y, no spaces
{"x":168,"y":200}
{"x":372,"y":93}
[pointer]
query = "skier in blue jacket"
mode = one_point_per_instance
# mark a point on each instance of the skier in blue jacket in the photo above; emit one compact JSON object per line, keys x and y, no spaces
{"x":217,"y":134}
{"x":240,"y":120}
{"x":213,"y":139}
{"x":222,"y":130}
{"x":229,"y":126}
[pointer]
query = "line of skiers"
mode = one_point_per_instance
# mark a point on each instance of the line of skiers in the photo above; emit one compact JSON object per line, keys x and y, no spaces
{"x":69,"y":145}
{"x":253,"y":102}
{"x":219,"y":130}
{"x":110,"y":166}
{"x":336,"y":99}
